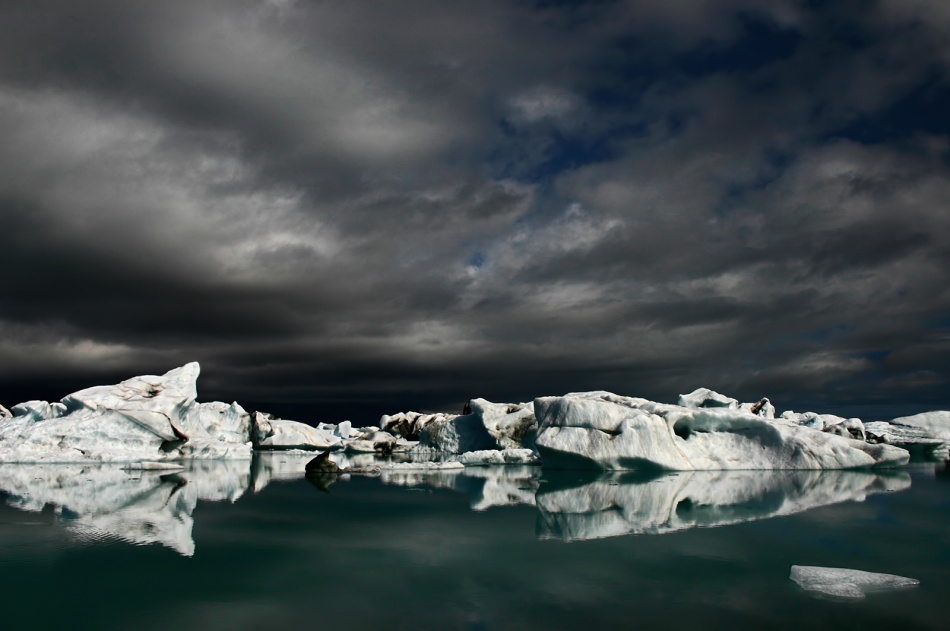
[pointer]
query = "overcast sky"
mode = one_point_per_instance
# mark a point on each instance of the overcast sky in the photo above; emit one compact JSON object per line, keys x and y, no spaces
{"x":346,"y":208}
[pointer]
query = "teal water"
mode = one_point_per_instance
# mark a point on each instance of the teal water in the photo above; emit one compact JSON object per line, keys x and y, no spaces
{"x":257,"y":546}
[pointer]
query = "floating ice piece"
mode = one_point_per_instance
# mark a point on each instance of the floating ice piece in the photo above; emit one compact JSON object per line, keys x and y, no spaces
{"x":417,"y":466}
{"x":409,"y":425}
{"x":153,"y":466}
{"x":927,"y":433}
{"x":272,"y":433}
{"x":600,"y":429}
{"x":373,"y":442}
{"x":499,"y":456}
{"x":846,"y":583}
{"x":457,"y":434}
{"x":936,"y":423}
{"x":916,"y":440}
{"x":512,"y":425}
{"x":143,"y":418}
{"x":706,"y":398}
{"x":160,"y":405}
{"x":612,"y":504}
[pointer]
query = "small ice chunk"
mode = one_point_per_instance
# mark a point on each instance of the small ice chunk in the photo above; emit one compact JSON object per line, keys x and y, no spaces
{"x":846,"y":583}
{"x":499,"y":456}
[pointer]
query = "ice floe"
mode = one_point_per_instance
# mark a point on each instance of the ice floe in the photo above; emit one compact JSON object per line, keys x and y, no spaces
{"x":614,"y":432}
{"x":846,"y":583}
{"x":269,"y":432}
{"x":499,"y":456}
{"x":926,"y":434}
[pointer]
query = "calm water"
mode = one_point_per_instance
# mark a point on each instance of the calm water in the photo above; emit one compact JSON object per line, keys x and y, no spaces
{"x":257,"y":546}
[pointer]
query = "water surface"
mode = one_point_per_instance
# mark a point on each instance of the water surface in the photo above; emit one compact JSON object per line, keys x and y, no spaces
{"x":255,"y":545}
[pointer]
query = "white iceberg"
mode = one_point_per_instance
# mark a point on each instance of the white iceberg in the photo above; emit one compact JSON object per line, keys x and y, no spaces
{"x":484,"y":425}
{"x":611,"y":505}
{"x":936,"y":423}
{"x":456,"y":435}
{"x":926,"y":434}
{"x":613,"y":432}
{"x":512,"y":425}
{"x":847,"y":583}
{"x":372,"y":442}
{"x":148,"y":417}
{"x":499,"y":456}
{"x":269,"y":432}
{"x":410,"y":424}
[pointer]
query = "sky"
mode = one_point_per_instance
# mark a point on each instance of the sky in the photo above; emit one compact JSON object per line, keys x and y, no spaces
{"x":348,"y":208}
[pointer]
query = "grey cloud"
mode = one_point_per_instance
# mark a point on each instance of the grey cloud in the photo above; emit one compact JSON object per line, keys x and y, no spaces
{"x":381,"y":205}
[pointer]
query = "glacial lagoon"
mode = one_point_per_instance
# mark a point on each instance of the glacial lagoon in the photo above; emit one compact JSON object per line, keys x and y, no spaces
{"x":257,"y":545}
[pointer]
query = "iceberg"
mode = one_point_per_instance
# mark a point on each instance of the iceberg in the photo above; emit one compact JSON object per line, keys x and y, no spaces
{"x":143,"y":418}
{"x":846,"y":583}
{"x":270,"y":432}
{"x":926,"y":434}
{"x":499,"y":456}
{"x":612,"y":504}
{"x":380,"y":442}
{"x":457,"y":434}
{"x":410,"y":424}
{"x":483,"y":426}
{"x":604,"y":430}
{"x":512,"y":425}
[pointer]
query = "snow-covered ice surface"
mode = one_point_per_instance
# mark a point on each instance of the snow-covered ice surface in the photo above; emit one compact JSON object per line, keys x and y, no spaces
{"x":614,"y":432}
{"x":610,"y":506}
{"x":846,"y":583}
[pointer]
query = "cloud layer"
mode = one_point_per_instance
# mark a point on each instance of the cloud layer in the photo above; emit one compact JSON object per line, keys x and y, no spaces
{"x":357,"y":207}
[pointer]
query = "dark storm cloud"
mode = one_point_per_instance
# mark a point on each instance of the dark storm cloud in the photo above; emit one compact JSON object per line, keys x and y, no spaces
{"x":383,"y":205}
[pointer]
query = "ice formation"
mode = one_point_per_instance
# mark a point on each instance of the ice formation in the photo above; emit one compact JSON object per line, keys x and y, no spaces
{"x":926,"y":434}
{"x":609,"y":505}
{"x":143,"y":418}
{"x":457,"y":435}
{"x":499,"y":456}
{"x":269,"y":432}
{"x":846,"y":583}
{"x":613,"y":432}
{"x":157,"y":419}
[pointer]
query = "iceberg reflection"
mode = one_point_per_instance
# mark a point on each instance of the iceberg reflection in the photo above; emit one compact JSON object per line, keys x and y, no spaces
{"x":139,"y":506}
{"x":155,"y":506}
{"x":612,"y":505}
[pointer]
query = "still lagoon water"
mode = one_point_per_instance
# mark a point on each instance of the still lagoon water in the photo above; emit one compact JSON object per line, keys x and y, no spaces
{"x":256,"y":545}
